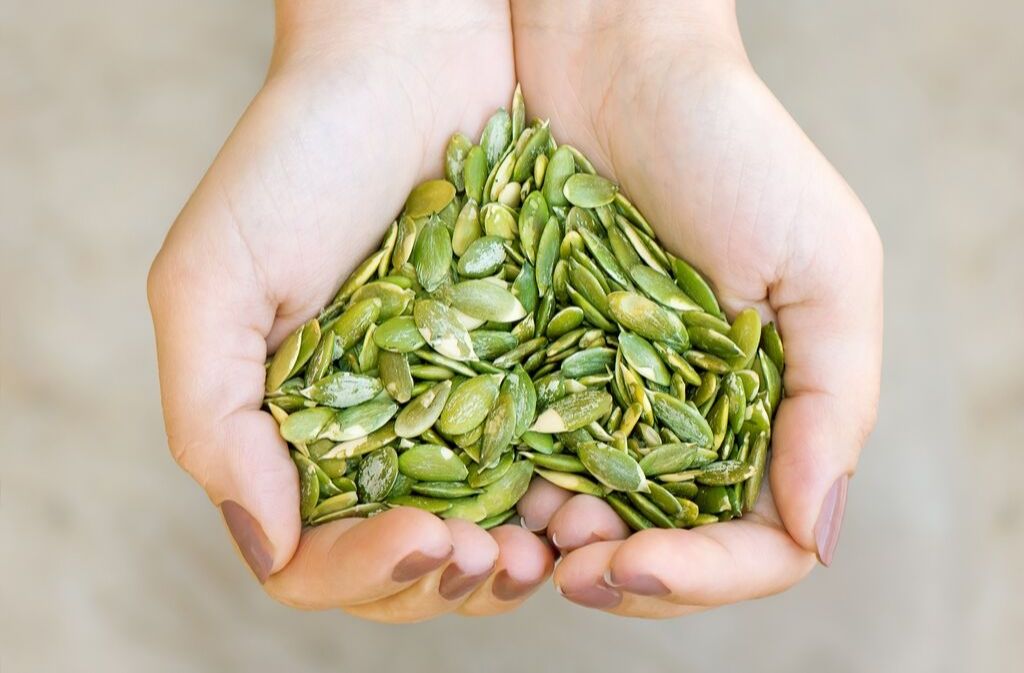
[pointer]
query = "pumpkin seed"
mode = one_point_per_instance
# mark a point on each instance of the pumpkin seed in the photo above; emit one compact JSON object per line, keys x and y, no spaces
{"x":421,"y":413}
{"x":525,"y":283}
{"x":469,"y":404}
{"x":344,"y":389}
{"x":429,"y":198}
{"x":429,"y":462}
{"x":589,"y":191}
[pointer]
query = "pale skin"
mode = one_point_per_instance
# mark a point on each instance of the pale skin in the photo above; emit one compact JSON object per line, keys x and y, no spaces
{"x":357,"y":107}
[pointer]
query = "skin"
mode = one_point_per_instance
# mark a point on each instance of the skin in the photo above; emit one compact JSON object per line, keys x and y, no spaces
{"x":664,"y":101}
{"x":350,"y":118}
{"x":661,"y":98}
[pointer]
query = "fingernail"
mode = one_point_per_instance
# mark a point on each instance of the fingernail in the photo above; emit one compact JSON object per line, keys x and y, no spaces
{"x":641,"y":585}
{"x":830,"y":520}
{"x":508,"y":588}
{"x":599,"y":596}
{"x":250,"y":538}
{"x":532,"y":526}
{"x":456,"y":583}
{"x":417,"y":564}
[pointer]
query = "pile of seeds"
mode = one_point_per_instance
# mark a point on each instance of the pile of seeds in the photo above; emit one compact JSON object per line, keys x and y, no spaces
{"x":520,"y":319}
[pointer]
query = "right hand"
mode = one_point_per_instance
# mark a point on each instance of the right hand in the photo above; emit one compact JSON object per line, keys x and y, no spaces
{"x":357,"y":108}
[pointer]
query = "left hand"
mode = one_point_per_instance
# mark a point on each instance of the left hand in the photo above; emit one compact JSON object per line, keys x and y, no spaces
{"x":663,"y":99}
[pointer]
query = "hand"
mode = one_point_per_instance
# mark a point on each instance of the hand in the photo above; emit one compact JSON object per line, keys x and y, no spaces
{"x":661,"y":97}
{"x":357,"y":108}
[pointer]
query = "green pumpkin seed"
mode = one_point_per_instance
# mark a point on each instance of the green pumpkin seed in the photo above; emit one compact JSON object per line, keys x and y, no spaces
{"x":547,"y":254}
{"x":559,"y":462}
{"x":483,"y":257}
{"x":445,"y":489}
{"x":432,"y":505}
{"x":499,"y":429}
{"x":695,"y":287}
{"x":466,"y":508}
{"x":772,"y":381}
{"x":504,"y":493}
{"x":496,"y":520}
{"x":667,"y":458}
{"x":576,"y":483}
{"x":293,"y":352}
{"x":306,"y":425}
{"x":360,"y":420}
{"x":429,"y":198}
{"x":353,"y":323}
{"x":485,"y":300}
{"x":496,"y":136}
{"x":377,"y":473}
{"x":648,"y":319}
{"x":309,"y":490}
{"x":343,"y":390}
{"x":661,"y":289}
{"x":650,"y":510}
{"x":422,"y":412}
{"x":634,"y":519}
{"x":469,"y":404}
{"x":489,"y":344}
{"x":725,"y":472}
{"x":467,"y":228}
{"x":643,"y":358}
{"x":455,"y":158}
{"x":573,"y":412}
{"x":665,"y":501}
{"x":441,"y":328}
{"x":682,"y":419}
{"x":398,"y":335}
{"x":481,"y":476}
{"x":615,"y":469}
{"x":560,"y":168}
{"x":681,"y":489}
{"x":589,"y":191}
{"x":712,"y":499}
{"x":429,"y":462}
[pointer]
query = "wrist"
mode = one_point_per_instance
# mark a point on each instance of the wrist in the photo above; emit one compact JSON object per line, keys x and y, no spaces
{"x":326,"y":28}
{"x":658,"y":24}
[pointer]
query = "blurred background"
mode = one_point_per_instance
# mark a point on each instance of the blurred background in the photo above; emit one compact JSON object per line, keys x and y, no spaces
{"x":112,"y":559}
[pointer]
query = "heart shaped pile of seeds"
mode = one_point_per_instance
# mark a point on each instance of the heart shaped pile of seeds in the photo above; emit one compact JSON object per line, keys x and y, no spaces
{"x":521,"y":319}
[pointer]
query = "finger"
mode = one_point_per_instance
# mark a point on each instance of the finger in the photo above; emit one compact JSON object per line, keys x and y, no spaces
{"x":584,"y":520}
{"x":524,"y":562}
{"x":710,"y":565}
{"x":541,"y":501}
{"x":830,"y":318}
{"x":350,"y":562}
{"x":442,"y":590}
{"x":210,"y":317}
{"x":580,"y":578}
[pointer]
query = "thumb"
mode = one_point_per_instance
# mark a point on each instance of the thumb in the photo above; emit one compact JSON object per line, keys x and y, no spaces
{"x":830,"y":317}
{"x":211,"y":320}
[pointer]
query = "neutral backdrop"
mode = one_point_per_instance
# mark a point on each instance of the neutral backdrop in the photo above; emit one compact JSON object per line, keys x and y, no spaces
{"x":113,"y":560}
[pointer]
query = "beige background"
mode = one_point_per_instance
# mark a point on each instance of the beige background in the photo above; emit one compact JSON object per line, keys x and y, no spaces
{"x":113,"y":560}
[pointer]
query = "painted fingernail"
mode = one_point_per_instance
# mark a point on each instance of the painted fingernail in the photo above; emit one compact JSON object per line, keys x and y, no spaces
{"x":830,"y":520}
{"x":456,"y":583}
{"x":599,"y":596}
{"x":417,"y":564}
{"x":641,"y":585}
{"x":249,"y":536}
{"x":508,"y":588}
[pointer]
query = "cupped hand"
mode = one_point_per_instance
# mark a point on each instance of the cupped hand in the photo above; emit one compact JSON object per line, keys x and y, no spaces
{"x":661,"y":97}
{"x":359,"y":103}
